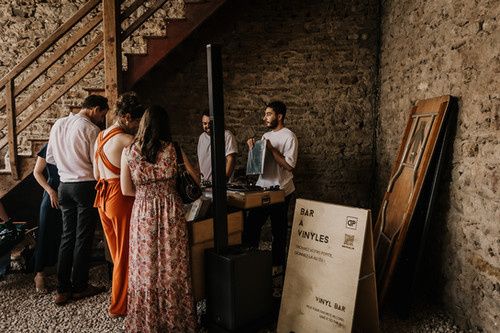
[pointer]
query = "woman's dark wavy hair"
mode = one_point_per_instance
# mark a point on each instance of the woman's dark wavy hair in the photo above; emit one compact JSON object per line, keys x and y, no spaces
{"x":129,"y":103}
{"x":153,"y":129}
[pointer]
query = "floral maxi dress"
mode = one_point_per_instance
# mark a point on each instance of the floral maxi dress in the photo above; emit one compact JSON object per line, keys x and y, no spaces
{"x":160,"y":295}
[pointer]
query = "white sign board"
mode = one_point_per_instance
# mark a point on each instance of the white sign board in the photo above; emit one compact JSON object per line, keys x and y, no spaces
{"x":328,"y":247}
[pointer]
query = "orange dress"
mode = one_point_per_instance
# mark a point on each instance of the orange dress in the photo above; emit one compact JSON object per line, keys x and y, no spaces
{"x":115,"y":210}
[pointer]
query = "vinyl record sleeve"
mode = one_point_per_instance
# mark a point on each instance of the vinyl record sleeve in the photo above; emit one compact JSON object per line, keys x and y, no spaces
{"x":256,"y":158}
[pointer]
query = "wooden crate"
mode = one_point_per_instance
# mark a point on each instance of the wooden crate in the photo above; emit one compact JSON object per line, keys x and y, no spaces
{"x":246,"y":200}
{"x":202,"y":238}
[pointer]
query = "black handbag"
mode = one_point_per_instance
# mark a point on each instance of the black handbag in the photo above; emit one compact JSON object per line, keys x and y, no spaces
{"x":187,"y":188}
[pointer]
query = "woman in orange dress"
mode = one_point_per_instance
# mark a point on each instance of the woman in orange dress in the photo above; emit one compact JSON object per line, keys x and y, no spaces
{"x":115,"y":208}
{"x":160,"y":297}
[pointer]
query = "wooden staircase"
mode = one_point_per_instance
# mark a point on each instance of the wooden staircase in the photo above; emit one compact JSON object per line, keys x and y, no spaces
{"x":93,"y":35}
{"x":196,"y":12}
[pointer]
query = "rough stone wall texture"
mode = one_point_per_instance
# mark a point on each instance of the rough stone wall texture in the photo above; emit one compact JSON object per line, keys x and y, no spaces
{"x":433,"y":48}
{"x":154,"y":26}
{"x":26,"y":24}
{"x":319,"y":57}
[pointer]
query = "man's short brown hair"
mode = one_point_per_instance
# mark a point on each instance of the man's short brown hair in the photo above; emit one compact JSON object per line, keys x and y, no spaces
{"x":92,"y":101}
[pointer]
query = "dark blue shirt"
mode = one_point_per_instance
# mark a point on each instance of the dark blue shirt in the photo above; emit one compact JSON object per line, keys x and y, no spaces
{"x":52,"y":173}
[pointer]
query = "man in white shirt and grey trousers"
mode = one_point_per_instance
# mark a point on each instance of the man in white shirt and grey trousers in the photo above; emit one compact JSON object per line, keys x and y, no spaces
{"x":71,"y":149}
{"x":280,"y":161}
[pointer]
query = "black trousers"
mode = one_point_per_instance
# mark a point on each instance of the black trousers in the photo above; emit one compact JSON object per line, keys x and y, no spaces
{"x":76,"y":201}
{"x":279,"y":227}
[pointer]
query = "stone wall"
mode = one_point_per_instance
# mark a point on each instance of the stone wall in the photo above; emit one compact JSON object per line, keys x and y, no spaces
{"x":319,"y":57}
{"x":26,"y":24}
{"x":428,"y":49}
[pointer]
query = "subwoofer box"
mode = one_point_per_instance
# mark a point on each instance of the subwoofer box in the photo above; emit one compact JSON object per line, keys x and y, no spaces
{"x":238,"y":286}
{"x":202,"y":238}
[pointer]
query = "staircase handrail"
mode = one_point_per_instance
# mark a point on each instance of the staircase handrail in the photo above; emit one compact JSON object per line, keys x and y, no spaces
{"x":12,"y":89}
{"x":51,"y":40}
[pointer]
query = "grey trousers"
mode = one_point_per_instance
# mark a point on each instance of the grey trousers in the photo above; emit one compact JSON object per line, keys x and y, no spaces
{"x":76,"y":201}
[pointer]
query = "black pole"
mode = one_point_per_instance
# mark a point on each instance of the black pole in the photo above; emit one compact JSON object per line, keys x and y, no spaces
{"x":216,"y":104}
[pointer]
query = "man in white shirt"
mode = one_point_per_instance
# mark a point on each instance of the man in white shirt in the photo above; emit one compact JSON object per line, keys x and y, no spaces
{"x":205,"y":153}
{"x":71,"y":149}
{"x":280,"y":161}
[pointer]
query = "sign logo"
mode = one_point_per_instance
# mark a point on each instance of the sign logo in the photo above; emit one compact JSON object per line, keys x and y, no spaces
{"x":348,"y":241}
{"x":351,"y":222}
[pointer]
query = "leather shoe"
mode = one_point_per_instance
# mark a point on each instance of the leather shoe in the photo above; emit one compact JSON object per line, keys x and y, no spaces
{"x":62,"y":298}
{"x":90,"y":291}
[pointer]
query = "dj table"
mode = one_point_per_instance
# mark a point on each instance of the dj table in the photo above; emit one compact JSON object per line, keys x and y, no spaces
{"x":253,"y":199}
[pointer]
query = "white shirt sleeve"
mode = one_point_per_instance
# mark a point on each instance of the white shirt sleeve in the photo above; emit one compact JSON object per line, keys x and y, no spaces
{"x":290,"y":150}
{"x":198,"y":151}
{"x":231,"y":145}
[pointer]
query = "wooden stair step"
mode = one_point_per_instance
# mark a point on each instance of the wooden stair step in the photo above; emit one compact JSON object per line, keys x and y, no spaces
{"x":201,"y":9}
{"x":177,"y":31}
{"x":156,"y":46}
{"x":95,"y":91}
{"x":25,"y":167}
{"x":178,"y":27}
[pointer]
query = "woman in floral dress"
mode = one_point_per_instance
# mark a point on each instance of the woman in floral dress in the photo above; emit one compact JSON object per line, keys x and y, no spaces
{"x":160,"y":295}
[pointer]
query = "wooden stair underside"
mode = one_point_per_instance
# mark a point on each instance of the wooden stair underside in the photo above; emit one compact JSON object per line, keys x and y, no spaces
{"x":25,"y":167}
{"x":177,"y":30}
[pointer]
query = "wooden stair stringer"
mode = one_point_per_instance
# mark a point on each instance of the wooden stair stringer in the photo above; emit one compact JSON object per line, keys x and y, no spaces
{"x":177,"y":31}
{"x":25,"y":167}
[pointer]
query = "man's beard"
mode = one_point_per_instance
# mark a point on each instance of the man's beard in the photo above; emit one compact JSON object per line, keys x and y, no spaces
{"x":272,"y":124}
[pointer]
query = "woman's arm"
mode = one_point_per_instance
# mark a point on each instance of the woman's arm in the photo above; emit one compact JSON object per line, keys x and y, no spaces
{"x":189,"y":167}
{"x":95,"y":163}
{"x":40,"y":178}
{"x":126,"y":183}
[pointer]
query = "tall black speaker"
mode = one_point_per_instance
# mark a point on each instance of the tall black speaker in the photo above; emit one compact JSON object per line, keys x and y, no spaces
{"x":238,"y":287}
